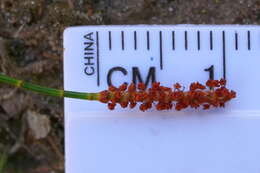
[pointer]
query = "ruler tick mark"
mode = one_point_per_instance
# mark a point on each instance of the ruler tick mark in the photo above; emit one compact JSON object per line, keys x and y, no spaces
{"x":186,"y":40}
{"x":236,"y":41}
{"x":123,"y":40}
{"x":248,"y":40}
{"x":224,"y":53}
{"x":98,"y":74}
{"x":173,"y":40}
{"x":148,"y":40}
{"x":110,"y":40}
{"x":135,"y":40}
{"x":161,"y":52}
{"x":211,"y":40}
{"x":198,"y":39}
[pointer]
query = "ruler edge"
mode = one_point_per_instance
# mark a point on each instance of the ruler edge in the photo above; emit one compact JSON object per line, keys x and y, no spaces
{"x":161,"y":25}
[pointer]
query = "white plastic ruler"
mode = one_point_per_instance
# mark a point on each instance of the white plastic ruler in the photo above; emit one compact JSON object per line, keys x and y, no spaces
{"x":98,"y":140}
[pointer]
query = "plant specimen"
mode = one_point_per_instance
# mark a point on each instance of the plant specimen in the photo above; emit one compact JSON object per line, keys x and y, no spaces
{"x":213,"y":94}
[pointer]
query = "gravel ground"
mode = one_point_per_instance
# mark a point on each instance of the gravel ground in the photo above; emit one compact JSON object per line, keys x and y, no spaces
{"x":31,"y":126}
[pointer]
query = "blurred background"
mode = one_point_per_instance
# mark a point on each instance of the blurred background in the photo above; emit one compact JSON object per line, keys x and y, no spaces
{"x":32,"y":126}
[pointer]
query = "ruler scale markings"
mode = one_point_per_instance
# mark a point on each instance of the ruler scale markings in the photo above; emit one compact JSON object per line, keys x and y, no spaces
{"x":135,"y":40}
{"x":248,"y":40}
{"x":110,"y":40}
{"x":148,"y":40}
{"x":198,"y":39}
{"x":236,"y":41}
{"x":186,"y":40}
{"x":211,"y":40}
{"x":224,"y":53}
{"x":173,"y":40}
{"x":98,"y":74}
{"x":123,"y":40}
{"x":161,"y":51}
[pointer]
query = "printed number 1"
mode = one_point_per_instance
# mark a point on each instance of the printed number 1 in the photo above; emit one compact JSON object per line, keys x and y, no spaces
{"x":211,"y":72}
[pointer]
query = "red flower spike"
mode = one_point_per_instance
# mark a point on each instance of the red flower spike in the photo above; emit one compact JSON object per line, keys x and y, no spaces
{"x":103,"y":96}
{"x":117,"y":95}
{"x":206,"y":106}
{"x":177,"y":86}
{"x":222,"y":105}
{"x":214,"y":94}
{"x":131,"y":87}
{"x":123,"y":87}
{"x":212,"y":83}
{"x":222,"y":82}
{"x":149,"y":105}
{"x":143,"y":107}
{"x":179,"y":107}
{"x":196,"y":85}
{"x":232,"y":94}
{"x":141,"y":86}
{"x":111,"y":106}
{"x":112,"y":88}
{"x":123,"y":104}
{"x":132,"y":105}
{"x":155,"y":85}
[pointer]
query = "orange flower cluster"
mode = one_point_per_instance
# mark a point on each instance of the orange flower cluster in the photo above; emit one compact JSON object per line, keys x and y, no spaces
{"x":213,"y":94}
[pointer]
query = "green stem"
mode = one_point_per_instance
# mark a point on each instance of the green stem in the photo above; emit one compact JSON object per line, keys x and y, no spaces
{"x":46,"y":90}
{"x":3,"y":161}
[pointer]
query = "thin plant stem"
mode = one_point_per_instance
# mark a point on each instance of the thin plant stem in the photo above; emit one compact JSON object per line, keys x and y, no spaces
{"x":45,"y":90}
{"x":3,"y":161}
